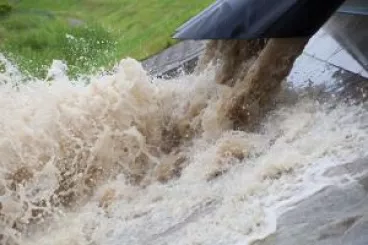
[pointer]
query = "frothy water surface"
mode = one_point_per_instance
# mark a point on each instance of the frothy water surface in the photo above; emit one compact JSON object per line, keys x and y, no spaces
{"x":129,"y":159}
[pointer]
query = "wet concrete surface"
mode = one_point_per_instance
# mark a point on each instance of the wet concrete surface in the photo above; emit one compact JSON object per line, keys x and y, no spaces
{"x":351,"y":33}
{"x":326,"y":80}
{"x":179,"y":55}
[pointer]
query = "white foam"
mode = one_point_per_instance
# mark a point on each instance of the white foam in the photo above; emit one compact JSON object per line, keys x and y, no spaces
{"x":58,"y":129}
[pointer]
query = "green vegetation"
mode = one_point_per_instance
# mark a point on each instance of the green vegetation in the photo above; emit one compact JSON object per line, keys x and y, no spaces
{"x":88,"y":34}
{"x":5,"y":9}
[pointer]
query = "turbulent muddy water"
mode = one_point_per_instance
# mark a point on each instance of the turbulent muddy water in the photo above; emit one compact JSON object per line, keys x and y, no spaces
{"x":129,"y":159}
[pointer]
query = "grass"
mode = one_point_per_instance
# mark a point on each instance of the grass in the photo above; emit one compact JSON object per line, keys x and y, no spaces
{"x":88,"y":34}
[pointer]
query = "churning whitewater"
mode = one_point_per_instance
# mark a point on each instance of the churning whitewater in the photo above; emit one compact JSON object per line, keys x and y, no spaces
{"x":129,"y":159}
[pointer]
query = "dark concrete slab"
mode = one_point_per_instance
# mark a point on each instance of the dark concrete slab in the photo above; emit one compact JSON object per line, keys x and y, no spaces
{"x":174,"y":57}
{"x":334,"y":215}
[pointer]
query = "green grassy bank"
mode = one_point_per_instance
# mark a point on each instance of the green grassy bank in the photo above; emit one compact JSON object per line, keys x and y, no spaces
{"x":88,"y":34}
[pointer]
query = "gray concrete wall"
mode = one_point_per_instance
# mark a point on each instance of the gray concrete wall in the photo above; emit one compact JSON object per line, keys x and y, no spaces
{"x":351,"y":32}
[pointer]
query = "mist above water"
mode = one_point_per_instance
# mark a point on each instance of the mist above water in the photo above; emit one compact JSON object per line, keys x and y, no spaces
{"x":129,"y":159}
